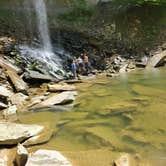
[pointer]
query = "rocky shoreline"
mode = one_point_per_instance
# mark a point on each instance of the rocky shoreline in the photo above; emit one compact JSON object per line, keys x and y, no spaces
{"x":19,"y":93}
{"x":18,"y":96}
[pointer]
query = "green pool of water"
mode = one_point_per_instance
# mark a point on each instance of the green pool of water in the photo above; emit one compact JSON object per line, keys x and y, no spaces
{"x":123,"y":114}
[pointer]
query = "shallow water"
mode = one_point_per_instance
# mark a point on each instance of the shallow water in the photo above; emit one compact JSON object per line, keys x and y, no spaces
{"x":123,"y":114}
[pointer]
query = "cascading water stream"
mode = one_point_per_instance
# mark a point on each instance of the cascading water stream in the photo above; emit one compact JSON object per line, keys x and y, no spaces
{"x":45,"y":52}
{"x":41,"y":13}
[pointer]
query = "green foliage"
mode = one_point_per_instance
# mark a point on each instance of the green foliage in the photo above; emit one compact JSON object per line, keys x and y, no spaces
{"x":128,"y":3}
{"x":80,"y":12}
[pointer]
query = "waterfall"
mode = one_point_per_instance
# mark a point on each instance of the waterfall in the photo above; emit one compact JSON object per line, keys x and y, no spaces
{"x":41,"y":13}
{"x":44,"y":53}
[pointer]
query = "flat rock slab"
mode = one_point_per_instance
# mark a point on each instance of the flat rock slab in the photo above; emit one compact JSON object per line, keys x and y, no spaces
{"x":13,"y":133}
{"x":37,"y":100}
{"x":157,"y":59}
{"x":4,"y":92}
{"x":60,"y":87}
{"x":34,"y":75}
{"x":7,"y":65}
{"x":47,"y":157}
{"x":59,"y":99}
{"x":18,"y":82}
{"x":41,"y":138}
{"x":18,"y":99}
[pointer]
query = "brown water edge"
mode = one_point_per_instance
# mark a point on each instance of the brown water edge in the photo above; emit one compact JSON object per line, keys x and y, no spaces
{"x":123,"y":114}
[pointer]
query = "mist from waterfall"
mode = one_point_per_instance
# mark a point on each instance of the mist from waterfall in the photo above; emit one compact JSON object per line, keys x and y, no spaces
{"x":44,"y":52}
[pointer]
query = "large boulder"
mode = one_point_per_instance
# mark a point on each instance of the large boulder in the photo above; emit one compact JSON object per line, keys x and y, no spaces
{"x":157,"y":60}
{"x":36,"y":76}
{"x":58,"y":99}
{"x":13,"y":133}
{"x":47,"y":157}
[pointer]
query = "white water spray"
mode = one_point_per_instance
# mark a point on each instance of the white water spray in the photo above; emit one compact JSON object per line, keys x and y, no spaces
{"x":41,"y":13}
{"x":45,"y":52}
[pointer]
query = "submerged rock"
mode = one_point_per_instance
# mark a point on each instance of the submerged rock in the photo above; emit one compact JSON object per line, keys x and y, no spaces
{"x":13,"y":133}
{"x":47,"y":157}
{"x":120,"y":108}
{"x":54,"y":108}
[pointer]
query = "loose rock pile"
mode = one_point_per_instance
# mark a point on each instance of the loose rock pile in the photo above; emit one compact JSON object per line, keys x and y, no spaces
{"x":18,"y":94}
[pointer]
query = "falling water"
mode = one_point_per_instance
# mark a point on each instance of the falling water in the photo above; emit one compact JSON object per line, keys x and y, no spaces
{"x":41,"y":13}
{"x":44,"y":53}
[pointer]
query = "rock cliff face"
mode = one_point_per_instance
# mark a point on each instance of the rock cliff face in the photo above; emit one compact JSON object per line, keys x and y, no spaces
{"x":87,"y":24}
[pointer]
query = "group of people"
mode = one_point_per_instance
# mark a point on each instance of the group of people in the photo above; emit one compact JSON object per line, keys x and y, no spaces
{"x":80,"y":65}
